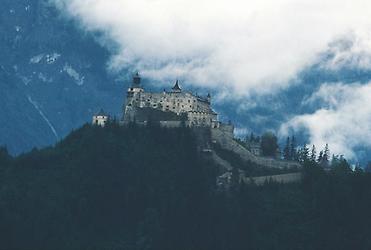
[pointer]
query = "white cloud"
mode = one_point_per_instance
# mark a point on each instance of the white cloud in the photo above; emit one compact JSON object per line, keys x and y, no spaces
{"x":352,"y":51}
{"x":247,"y":47}
{"x":344,"y":121}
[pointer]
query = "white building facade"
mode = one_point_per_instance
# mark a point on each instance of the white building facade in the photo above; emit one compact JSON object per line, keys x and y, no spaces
{"x":185,"y":106}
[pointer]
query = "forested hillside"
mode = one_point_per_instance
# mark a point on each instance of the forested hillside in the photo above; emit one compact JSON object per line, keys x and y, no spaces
{"x":149,"y":188}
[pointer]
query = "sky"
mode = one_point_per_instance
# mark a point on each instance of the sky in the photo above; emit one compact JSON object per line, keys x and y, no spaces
{"x":242,"y":48}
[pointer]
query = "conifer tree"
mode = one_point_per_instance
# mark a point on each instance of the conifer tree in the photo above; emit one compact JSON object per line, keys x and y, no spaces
{"x":286,"y":150}
{"x":326,"y":156}
{"x":313,"y":154}
{"x":320,"y":156}
{"x":304,"y":154}
{"x":252,"y":137}
{"x":293,"y":151}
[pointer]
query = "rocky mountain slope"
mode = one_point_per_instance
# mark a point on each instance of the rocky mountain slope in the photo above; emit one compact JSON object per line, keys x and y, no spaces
{"x":52,"y":75}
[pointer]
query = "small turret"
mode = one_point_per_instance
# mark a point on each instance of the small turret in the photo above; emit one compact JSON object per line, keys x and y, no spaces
{"x":136,"y":80}
{"x":135,"y":86}
{"x":176,"y":88}
{"x":208,"y":97}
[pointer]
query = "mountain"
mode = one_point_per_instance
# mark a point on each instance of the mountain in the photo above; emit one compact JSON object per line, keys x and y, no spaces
{"x":52,"y":75}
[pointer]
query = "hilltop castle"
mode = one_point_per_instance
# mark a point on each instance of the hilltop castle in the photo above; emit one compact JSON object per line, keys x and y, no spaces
{"x":169,"y":108}
{"x":176,"y":108}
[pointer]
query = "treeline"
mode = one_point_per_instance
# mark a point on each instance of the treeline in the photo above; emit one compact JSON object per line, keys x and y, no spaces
{"x":138,"y":188}
{"x":291,"y":151}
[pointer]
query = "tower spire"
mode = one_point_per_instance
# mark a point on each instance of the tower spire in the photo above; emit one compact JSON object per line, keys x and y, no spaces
{"x":136,"y":79}
{"x":176,"y":87}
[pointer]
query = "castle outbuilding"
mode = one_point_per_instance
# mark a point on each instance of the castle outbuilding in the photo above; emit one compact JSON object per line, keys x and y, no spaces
{"x":169,"y":108}
{"x":100,"y":119}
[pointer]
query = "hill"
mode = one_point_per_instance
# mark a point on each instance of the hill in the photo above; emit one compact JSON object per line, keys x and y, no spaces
{"x":150,"y":188}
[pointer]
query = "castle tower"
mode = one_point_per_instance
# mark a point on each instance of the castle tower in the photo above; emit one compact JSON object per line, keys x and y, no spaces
{"x":208,"y":98}
{"x":133,"y":98}
{"x":136,"y":80}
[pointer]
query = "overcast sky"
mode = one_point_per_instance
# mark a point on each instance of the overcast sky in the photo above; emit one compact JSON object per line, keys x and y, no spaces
{"x":240,"y":47}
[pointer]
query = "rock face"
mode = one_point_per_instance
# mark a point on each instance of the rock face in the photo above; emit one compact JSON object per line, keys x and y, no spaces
{"x":52,"y":75}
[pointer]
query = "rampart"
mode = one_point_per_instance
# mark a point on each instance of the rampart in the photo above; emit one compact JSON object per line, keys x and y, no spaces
{"x":224,"y":137}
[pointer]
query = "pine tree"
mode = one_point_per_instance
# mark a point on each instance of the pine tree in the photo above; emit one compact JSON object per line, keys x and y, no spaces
{"x":320,"y":156}
{"x":326,"y":156}
{"x":304,"y":155}
{"x":313,"y":154}
{"x":252,"y":137}
{"x":293,"y":151}
{"x":286,"y":150}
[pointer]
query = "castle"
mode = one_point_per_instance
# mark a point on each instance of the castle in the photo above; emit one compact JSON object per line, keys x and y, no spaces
{"x":169,"y":108}
{"x":176,"y":108}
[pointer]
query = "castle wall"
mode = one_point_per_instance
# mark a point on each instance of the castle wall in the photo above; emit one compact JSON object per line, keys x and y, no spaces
{"x":224,"y":138}
{"x":201,"y":119}
{"x":170,"y":124}
{"x":281,"y":178}
{"x":198,"y":110}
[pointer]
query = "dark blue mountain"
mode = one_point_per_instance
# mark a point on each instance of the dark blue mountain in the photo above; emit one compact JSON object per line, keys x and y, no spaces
{"x":52,"y":75}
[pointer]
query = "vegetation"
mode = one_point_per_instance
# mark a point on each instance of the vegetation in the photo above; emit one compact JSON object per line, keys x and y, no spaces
{"x":148,"y":188}
{"x":250,"y":169}
{"x":269,"y":145}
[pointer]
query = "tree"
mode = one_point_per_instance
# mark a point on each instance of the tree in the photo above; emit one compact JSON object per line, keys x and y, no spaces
{"x":293,"y":151}
{"x":269,"y":144}
{"x":4,"y":156}
{"x":340,"y":165}
{"x":286,"y":150}
{"x":325,"y":157}
{"x":252,"y":137}
{"x":313,"y":154}
{"x":303,"y":154}
{"x":368,"y":167}
{"x":320,"y":156}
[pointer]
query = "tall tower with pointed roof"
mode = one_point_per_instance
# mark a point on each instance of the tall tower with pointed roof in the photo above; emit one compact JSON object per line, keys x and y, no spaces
{"x":176,"y":88}
{"x":133,"y":96}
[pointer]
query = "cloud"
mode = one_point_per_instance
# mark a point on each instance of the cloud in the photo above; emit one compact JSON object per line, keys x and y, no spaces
{"x":344,"y":121}
{"x":239,"y":47}
{"x":350,"y":51}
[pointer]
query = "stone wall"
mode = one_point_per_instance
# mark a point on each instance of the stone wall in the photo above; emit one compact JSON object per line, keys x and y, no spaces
{"x":225,"y":139}
{"x":281,"y":178}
